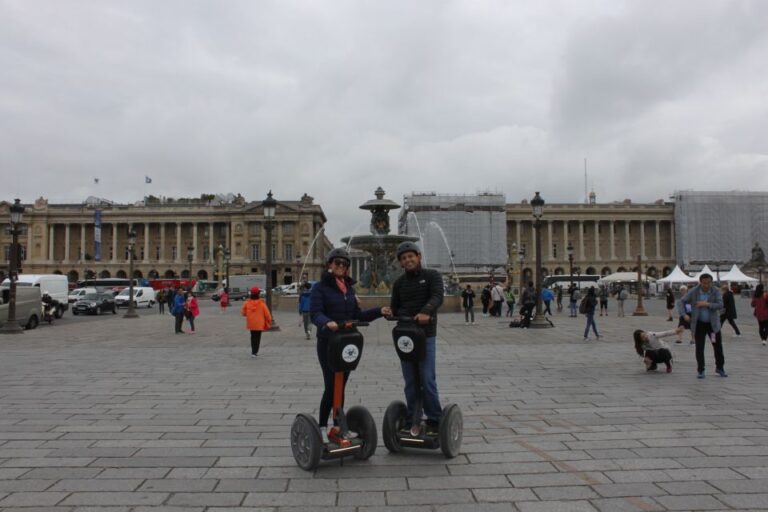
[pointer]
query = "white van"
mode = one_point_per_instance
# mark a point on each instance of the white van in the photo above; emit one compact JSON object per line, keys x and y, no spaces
{"x":56,"y":285}
{"x":143,"y":296}
{"x":79,"y":293}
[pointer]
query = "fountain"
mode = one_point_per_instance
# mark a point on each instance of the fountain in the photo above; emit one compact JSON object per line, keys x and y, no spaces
{"x":380,"y":244}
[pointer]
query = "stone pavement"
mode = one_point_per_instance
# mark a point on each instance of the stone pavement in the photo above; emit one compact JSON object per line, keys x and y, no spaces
{"x":122,"y":415}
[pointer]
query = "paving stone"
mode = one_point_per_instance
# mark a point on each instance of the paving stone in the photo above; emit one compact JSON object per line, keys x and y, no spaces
{"x":429,"y":497}
{"x":32,"y":499}
{"x":115,"y":498}
{"x":573,"y":492}
{"x":273,"y":499}
{"x":91,"y":484}
{"x":690,"y":502}
{"x":628,"y":504}
{"x":219,"y":499}
{"x":690,"y":487}
{"x":178,"y":485}
{"x":556,"y":506}
{"x":746,"y":501}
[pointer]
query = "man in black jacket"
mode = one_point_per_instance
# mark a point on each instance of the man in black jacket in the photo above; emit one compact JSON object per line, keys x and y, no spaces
{"x":418,"y":293}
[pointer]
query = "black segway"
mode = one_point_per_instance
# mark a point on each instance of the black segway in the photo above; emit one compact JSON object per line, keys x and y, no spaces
{"x":345,"y":348}
{"x":410,"y":344}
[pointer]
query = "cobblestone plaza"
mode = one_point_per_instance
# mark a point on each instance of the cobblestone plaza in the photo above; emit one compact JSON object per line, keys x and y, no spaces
{"x":107,"y":413}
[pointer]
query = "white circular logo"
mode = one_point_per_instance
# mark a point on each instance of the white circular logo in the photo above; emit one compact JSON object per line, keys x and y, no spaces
{"x":350,"y":353}
{"x":405,"y":344}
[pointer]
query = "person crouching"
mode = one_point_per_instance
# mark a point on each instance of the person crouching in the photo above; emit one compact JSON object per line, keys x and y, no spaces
{"x":653,"y":349}
{"x":257,"y":318}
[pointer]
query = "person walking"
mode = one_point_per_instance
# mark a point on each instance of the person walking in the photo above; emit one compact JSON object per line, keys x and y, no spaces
{"x":760,"y":305}
{"x":705,"y":301}
{"x":160,"y":297}
{"x":729,"y":309}
{"x":418,"y":294}
{"x":509,"y":295}
{"x":497,"y":296}
{"x":590,"y":302}
{"x":333,"y":301}
{"x":602,"y":294}
{"x":670,"y":298}
{"x":257,"y":318}
{"x":305,"y":297}
{"x":468,"y":303}
{"x":223,"y":301}
{"x":621,"y":295}
{"x":527,"y":303}
{"x":171,"y":299}
{"x":178,"y":311}
{"x":192,"y":310}
{"x":559,"y":299}
{"x":485,"y":298}
{"x":573,"y":300}
{"x":546,"y":296}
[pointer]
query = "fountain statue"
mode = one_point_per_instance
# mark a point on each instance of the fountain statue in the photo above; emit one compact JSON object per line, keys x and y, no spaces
{"x":383,"y":268}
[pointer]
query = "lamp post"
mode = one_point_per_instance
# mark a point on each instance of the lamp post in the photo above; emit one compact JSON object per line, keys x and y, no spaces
{"x":639,"y":310}
{"x":269,"y":205}
{"x":760,"y":273}
{"x":12,"y":325}
{"x":190,"y":257}
{"x":131,"y":313}
{"x":227,"y":255}
{"x":569,"y":249}
{"x":521,"y":260}
{"x":537,"y":204}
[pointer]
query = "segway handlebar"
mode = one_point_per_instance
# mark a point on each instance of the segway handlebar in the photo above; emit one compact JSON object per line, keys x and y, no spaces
{"x":403,"y":319}
{"x":351,"y":324}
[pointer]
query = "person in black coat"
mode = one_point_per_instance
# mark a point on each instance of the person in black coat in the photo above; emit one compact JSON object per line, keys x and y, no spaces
{"x":332,"y":302}
{"x":590,"y":305}
{"x":468,"y":303}
{"x":729,"y":309}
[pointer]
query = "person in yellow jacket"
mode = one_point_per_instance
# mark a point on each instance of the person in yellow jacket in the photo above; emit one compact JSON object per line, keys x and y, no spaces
{"x":257,"y":318}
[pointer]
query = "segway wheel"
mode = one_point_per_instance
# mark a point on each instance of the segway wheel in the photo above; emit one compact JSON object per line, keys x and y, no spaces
{"x":360,"y":420}
{"x":306,"y":442}
{"x":394,"y":420}
{"x":451,"y":430}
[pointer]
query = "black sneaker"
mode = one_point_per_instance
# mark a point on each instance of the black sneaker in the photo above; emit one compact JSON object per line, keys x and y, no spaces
{"x":433,"y":428}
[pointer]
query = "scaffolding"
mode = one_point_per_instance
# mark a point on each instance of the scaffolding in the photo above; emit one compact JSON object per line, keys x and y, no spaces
{"x":719,"y":226}
{"x":458,"y":233}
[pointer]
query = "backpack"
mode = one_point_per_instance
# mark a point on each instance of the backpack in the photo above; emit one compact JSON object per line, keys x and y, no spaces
{"x":623,"y":295}
{"x":583,"y":306}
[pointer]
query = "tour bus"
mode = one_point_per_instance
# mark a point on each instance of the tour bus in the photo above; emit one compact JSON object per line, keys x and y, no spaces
{"x":565,"y":280}
{"x":112,"y":283}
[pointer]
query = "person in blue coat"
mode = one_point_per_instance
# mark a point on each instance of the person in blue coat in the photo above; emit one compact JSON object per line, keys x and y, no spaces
{"x":332,"y":302}
{"x":177,"y":310}
{"x":305,"y":299}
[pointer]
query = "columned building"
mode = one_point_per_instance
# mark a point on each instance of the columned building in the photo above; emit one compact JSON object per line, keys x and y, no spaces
{"x":606,"y":238}
{"x":172,"y":238}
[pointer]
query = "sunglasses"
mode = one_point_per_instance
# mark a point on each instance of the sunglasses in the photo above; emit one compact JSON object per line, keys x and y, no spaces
{"x":340,"y":262}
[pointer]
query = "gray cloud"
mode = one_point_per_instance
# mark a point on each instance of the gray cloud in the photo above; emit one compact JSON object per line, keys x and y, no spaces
{"x":337,"y":98}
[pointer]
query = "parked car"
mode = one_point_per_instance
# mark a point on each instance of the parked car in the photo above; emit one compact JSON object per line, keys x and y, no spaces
{"x":143,"y":296}
{"x":233,"y":295}
{"x":79,"y":293}
{"x":28,"y":306}
{"x":54,"y":284}
{"x":95,"y":304}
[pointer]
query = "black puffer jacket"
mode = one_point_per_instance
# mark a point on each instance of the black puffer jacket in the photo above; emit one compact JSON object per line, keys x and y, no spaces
{"x":418,"y":292}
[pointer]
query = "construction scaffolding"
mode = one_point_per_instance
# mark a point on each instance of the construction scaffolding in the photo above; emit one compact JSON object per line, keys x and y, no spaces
{"x":719,"y":226}
{"x":458,"y":233}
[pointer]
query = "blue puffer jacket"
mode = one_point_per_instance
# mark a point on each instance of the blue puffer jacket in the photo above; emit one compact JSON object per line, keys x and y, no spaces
{"x":178,"y":304}
{"x":305,"y":299}
{"x":329,"y":304}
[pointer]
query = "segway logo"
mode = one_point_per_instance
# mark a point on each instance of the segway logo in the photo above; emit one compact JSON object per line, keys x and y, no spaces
{"x":405,"y":344}
{"x":350,"y":354}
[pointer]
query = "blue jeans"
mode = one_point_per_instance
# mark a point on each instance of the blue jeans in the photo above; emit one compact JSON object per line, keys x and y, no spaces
{"x":574,"y":308}
{"x":591,"y":321}
{"x":431,"y":400}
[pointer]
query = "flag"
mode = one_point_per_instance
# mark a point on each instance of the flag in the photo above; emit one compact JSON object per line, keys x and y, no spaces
{"x":95,"y":181}
{"x":147,"y":179}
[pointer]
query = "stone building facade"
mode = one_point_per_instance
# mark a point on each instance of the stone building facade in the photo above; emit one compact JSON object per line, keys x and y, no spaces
{"x":606,"y":237}
{"x":61,"y":238}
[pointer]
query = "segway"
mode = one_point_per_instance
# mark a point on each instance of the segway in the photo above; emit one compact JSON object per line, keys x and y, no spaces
{"x":345,"y":348}
{"x":410,"y":345}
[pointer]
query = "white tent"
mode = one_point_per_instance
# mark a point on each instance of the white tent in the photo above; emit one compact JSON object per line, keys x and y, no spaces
{"x":735,"y":275}
{"x":677,"y":276}
{"x":705,"y":270}
{"x":625,"y":277}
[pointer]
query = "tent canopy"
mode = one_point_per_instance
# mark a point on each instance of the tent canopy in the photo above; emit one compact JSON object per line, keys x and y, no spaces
{"x":625,"y":277}
{"x":677,"y":276}
{"x":705,"y":270}
{"x":735,"y":275}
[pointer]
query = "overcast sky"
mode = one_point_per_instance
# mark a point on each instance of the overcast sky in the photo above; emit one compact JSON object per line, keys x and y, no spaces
{"x":335,"y":98}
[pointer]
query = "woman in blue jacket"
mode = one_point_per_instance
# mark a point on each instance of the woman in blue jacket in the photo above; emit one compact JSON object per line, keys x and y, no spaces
{"x":333,"y":301}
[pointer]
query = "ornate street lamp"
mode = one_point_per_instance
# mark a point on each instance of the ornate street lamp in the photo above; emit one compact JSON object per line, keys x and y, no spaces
{"x":131,"y":313}
{"x":569,"y":249}
{"x":639,"y":310}
{"x":521,"y":260}
{"x":190,"y":257}
{"x":227,"y":255}
{"x":537,"y":204}
{"x":760,"y":273}
{"x":269,"y":205}
{"x":12,"y":325}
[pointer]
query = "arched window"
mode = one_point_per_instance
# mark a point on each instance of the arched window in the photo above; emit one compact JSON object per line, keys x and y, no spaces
{"x":73,"y":276}
{"x":605,"y":271}
{"x":666,"y":271}
{"x":58,"y":272}
{"x":652,"y":272}
{"x":202,"y":274}
{"x":591,"y":270}
{"x":153,"y":274}
{"x":621,"y":269}
{"x":137,"y":274}
{"x":170,"y":274}
{"x":559,"y":271}
{"x":185,"y":274}
{"x":121,"y":274}
{"x":104,"y":274}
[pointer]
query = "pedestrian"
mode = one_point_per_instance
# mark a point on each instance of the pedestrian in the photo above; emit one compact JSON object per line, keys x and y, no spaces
{"x":333,"y":301}
{"x":729,"y":309}
{"x":602,"y":294}
{"x":546,"y":296}
{"x":527,"y":303}
{"x":573,"y":300}
{"x":705,"y":301}
{"x":760,"y":305}
{"x":468,"y":303}
{"x":509,"y":296}
{"x":485,"y":298}
{"x":682,"y":322}
{"x":305,"y":297}
{"x":171,"y":299}
{"x":621,"y":295}
{"x":651,"y":347}
{"x":178,"y":311}
{"x":223,"y":301}
{"x":670,"y":298}
{"x":497,"y":296}
{"x":418,"y":294}
{"x":160,"y":297}
{"x":257,"y":318}
{"x":192,"y":310}
{"x":590,"y":304}
{"x":559,"y":299}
